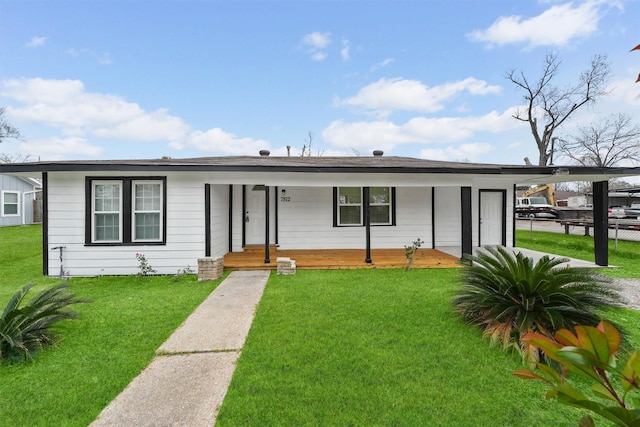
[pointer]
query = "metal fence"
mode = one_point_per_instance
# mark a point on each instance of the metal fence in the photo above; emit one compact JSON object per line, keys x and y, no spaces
{"x":619,"y":229}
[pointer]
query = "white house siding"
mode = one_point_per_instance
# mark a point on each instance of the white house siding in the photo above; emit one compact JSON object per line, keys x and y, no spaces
{"x":185,"y":228}
{"x":448,"y":217}
{"x":305,"y":221}
{"x":219,"y":220}
{"x":237,"y":219}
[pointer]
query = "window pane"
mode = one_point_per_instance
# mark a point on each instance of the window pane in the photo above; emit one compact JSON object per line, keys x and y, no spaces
{"x":147,"y":197}
{"x":11,"y":198}
{"x":107,"y":227}
{"x":147,"y":226}
{"x":349,"y":215}
{"x":379,"y":195}
{"x":349,"y":195}
{"x":379,"y":214}
{"x":11,"y":209}
{"x":107,"y":197}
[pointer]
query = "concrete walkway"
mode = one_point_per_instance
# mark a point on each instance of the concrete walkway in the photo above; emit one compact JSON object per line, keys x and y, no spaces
{"x":185,"y":383}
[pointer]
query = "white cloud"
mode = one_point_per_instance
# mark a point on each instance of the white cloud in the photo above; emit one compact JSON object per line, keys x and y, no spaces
{"x":221,"y":142}
{"x":382,"y":64}
{"x":412,"y":95}
{"x":319,"y":56}
{"x":383,"y":134}
{"x":344,"y":52}
{"x":557,"y":26}
{"x":60,"y":148}
{"x":101,"y":58}
{"x":316,"y":44}
{"x":36,"y":42}
{"x":464,"y":152}
{"x":67,"y":106}
{"x":317,"y":40}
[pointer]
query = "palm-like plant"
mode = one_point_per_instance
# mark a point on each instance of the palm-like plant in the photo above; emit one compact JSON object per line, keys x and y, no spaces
{"x":26,"y":329}
{"x":507,"y":295}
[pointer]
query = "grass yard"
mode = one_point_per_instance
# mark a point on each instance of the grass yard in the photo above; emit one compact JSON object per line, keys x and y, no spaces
{"x":345,"y":347}
{"x":581,"y":247}
{"x":378,"y":347}
{"x":115,"y":337}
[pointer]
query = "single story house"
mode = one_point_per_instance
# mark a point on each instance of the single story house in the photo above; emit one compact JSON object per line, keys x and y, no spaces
{"x":19,"y":200}
{"x":176,"y":211}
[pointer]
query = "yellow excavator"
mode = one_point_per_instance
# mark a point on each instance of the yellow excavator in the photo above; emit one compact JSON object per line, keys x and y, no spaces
{"x":547,"y":190}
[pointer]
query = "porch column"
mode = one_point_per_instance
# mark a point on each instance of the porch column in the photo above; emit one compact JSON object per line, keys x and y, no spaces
{"x":466,"y":225}
{"x":367,"y":224}
{"x":266,"y":225}
{"x":601,"y":222}
{"x":207,"y":220}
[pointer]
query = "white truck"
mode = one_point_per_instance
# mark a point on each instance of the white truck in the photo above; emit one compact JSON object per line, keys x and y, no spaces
{"x":535,"y":207}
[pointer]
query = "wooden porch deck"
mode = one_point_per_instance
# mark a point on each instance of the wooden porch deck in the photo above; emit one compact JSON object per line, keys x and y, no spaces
{"x":326,"y":259}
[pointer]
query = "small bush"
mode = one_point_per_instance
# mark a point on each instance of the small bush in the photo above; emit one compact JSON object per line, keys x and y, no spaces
{"x":25,"y":328}
{"x":591,"y":353}
{"x":507,"y":296}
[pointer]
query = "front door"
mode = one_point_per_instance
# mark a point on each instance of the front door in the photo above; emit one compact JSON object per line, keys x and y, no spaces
{"x":254,"y":216}
{"x":492,"y":225}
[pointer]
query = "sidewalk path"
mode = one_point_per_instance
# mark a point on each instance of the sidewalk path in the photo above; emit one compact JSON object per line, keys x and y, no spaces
{"x":185,"y":383}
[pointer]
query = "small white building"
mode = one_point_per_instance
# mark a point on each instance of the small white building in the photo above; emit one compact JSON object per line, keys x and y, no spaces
{"x":20,"y":201}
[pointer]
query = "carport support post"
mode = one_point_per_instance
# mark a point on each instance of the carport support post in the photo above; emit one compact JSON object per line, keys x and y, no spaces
{"x":466,"y":223}
{"x":367,"y":224}
{"x":601,"y":222}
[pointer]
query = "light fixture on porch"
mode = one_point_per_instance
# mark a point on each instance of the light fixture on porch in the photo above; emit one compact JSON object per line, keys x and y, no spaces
{"x":283,"y":191}
{"x":259,"y":187}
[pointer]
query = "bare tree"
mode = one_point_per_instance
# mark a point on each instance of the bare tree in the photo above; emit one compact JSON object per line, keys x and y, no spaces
{"x":306,"y":148}
{"x":15,"y":158}
{"x":605,"y":143}
{"x":6,"y":130}
{"x":553,"y":105}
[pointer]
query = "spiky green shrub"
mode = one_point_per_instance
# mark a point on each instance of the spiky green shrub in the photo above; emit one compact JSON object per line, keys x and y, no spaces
{"x":507,"y":296}
{"x":26,"y":328}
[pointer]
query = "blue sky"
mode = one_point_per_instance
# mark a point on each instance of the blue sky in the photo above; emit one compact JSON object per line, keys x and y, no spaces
{"x":144,"y":79}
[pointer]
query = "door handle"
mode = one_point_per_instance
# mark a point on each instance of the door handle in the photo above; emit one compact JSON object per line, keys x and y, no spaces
{"x":246,"y":217}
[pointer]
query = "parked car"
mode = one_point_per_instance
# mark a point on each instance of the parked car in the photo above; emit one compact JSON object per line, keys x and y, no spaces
{"x":618,"y":211}
{"x":633,"y":211}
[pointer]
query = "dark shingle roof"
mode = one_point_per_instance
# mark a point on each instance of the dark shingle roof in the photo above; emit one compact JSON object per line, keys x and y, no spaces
{"x":376,"y":164}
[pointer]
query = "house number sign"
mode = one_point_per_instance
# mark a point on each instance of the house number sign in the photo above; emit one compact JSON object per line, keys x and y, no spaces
{"x":285,"y":199}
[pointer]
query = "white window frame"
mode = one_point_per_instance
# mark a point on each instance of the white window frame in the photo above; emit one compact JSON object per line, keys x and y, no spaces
{"x":94,"y":213}
{"x":134,"y":211}
{"x":4,"y":203}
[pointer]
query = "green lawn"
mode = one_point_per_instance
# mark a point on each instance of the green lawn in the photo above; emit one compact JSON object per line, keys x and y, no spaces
{"x":379,"y":347}
{"x":115,"y":337}
{"x":627,"y":256}
{"x":353,"y":347}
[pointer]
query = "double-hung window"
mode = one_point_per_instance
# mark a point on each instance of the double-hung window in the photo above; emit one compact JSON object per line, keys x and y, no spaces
{"x":10,"y":203}
{"x":349,"y":206}
{"x":107,"y":211}
{"x":126,"y":210}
